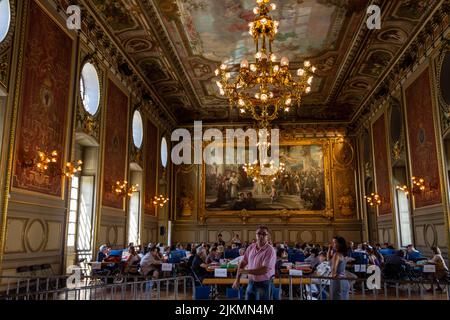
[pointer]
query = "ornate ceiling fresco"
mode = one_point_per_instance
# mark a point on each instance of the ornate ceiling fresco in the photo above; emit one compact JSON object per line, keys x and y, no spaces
{"x":177,"y":45}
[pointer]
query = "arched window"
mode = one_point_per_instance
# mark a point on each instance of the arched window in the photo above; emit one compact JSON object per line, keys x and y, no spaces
{"x":138,"y":129}
{"x":5,"y":18}
{"x":90,"y":88}
{"x":164,"y":152}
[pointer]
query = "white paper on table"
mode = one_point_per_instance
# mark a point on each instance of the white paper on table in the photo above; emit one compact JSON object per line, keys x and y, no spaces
{"x":363,"y":268}
{"x":220,"y":273}
{"x":295,"y":273}
{"x":96,"y":265}
{"x":429,"y":268}
{"x":167,"y":267}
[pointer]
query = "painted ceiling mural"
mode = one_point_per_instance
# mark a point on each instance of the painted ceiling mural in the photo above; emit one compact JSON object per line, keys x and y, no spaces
{"x":177,"y":44}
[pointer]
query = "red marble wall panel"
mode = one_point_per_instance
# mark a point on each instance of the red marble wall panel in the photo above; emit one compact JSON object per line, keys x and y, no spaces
{"x":44,"y":103}
{"x":381,"y":165}
{"x":151,"y":165}
{"x":422,"y":139}
{"x":115,"y":145}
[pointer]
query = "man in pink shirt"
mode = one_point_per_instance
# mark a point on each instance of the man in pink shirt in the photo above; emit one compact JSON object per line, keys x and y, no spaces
{"x":259,"y":264}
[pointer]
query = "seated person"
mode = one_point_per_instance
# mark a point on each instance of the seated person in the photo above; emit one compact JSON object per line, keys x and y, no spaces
{"x":412,"y":254}
{"x":132,"y":262}
{"x":236,"y":241}
{"x":199,"y":265}
{"x":213,"y":256}
{"x":238,"y":260}
{"x":151,"y":263}
{"x":103,"y":253}
{"x":114,"y":262}
{"x":441,"y":273}
{"x":282,"y":257}
{"x":395,"y":265}
{"x":313,"y":258}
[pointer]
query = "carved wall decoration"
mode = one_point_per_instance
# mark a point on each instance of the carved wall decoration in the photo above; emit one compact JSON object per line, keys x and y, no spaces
{"x":422,"y":140}
{"x":367,"y":154}
{"x":115,"y":145}
{"x":186,"y":177}
{"x":6,"y":46}
{"x":343,"y":168}
{"x":381,"y":165}
{"x":44,"y":102}
{"x":443,"y":83}
{"x":35,"y":235}
{"x":151,"y":167}
{"x":430,"y":235}
{"x":396,"y":129}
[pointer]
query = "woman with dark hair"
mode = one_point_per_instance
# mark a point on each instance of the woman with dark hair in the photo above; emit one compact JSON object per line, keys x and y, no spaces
{"x":339,"y":287}
{"x":441,"y":273}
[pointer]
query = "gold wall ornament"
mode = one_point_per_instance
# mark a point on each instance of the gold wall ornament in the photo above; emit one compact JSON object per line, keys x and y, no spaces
{"x":264,"y":87}
{"x":346,"y":203}
{"x":373,"y":200}
{"x":122,"y":189}
{"x":186,"y":204}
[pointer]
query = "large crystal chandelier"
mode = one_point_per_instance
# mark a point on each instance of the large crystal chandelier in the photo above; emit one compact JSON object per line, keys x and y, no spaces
{"x":264,"y":87}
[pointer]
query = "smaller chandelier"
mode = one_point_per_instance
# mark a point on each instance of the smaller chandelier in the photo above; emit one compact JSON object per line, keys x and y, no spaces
{"x":266,"y":86}
{"x":121,"y":188}
{"x":160,"y":201}
{"x":373,"y":200}
{"x":45,"y":160}
{"x":72,"y":168}
{"x":418,"y":186}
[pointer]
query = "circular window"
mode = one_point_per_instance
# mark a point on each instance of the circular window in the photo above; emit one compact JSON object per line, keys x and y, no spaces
{"x":164,"y":152}
{"x":138,"y":132}
{"x":5,"y":17}
{"x":90,"y":88}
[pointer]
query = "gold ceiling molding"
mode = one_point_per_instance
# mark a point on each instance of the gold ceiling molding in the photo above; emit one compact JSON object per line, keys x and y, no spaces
{"x":430,"y":36}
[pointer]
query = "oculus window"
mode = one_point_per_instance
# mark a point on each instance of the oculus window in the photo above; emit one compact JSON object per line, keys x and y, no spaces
{"x":164,"y":152}
{"x":90,"y":88}
{"x":138,"y":129}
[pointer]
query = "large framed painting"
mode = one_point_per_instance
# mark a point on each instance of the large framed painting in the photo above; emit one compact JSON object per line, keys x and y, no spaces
{"x":303,"y":187}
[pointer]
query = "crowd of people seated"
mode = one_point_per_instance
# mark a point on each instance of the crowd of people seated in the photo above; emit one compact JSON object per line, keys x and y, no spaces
{"x":334,"y":259}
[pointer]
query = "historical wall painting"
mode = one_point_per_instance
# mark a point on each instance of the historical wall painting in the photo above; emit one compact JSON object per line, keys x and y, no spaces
{"x":151,"y":167}
{"x":300,"y":187}
{"x":381,"y":165}
{"x":115,"y":145}
{"x":422,"y":139}
{"x":44,"y":104}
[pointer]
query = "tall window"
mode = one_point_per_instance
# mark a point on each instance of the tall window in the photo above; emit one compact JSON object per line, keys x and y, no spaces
{"x":404,"y":219}
{"x":85,"y":216}
{"x":134,"y":225}
{"x":73,"y":209}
